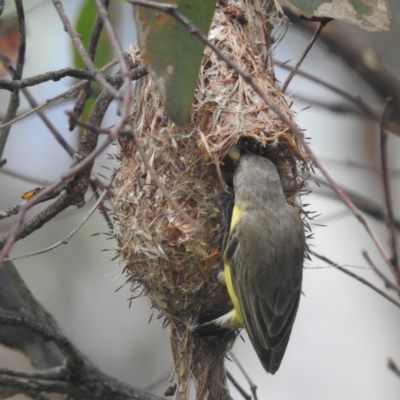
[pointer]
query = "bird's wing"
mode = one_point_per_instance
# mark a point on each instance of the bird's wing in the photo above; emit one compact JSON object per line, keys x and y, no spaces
{"x":266,"y":259}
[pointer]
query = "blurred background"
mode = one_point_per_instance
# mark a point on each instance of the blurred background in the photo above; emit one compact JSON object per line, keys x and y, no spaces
{"x":344,"y":332}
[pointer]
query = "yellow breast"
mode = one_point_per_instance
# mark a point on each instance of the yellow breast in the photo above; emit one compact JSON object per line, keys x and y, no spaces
{"x":235,"y":316}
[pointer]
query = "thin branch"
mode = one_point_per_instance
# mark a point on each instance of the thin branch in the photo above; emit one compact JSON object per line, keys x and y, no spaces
{"x":115,"y":43}
{"x":55,"y":76}
{"x":91,"y":384}
{"x":86,"y":91}
{"x":388,"y":283}
{"x":12,"y":210}
{"x":84,"y":382}
{"x":125,"y":70}
{"x":81,"y":49}
{"x":253,"y":386}
{"x":360,"y":58}
{"x":366,"y":205}
{"x":354,"y":99}
{"x":30,"y":302}
{"x":73,"y":357}
{"x":17,"y":207}
{"x":392,"y":366}
{"x":283,"y":116}
{"x":14,"y":99}
{"x":51,"y":373}
{"x":74,"y":231}
{"x":321,"y":26}
{"x":394,"y":265}
{"x":83,"y":158}
{"x":237,"y":386}
{"x":41,"y":114}
{"x":23,"y":177}
{"x":363,"y":109}
{"x":62,"y":95}
{"x":57,"y":135}
{"x":362,"y":280}
{"x":20,"y":231}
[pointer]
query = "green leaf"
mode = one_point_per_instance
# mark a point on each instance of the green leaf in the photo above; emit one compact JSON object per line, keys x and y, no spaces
{"x":83,"y":26}
{"x":104,"y":51}
{"x":370,"y":15}
{"x":172,"y":55}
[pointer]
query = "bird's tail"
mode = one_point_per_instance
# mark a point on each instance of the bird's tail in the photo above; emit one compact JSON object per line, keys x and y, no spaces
{"x":219,"y":326}
{"x":271,"y":359}
{"x":211,"y":328}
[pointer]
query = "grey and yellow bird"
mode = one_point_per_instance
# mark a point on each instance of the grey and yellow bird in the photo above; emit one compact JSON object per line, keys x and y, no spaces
{"x":263,"y":260}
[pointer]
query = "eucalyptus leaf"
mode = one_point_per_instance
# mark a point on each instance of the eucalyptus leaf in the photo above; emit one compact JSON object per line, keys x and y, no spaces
{"x":370,"y":15}
{"x":172,"y":54}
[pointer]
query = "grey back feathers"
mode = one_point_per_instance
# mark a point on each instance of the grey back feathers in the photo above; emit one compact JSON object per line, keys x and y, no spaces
{"x":265,"y":251}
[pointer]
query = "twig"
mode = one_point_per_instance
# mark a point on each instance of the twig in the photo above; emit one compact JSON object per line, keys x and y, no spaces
{"x":23,"y":177}
{"x":388,"y":283}
{"x":74,"y":231}
{"x":362,"y":280}
{"x":83,"y":158}
{"x":62,"y":95}
{"x":83,"y":382}
{"x":71,"y":72}
{"x":34,"y":104}
{"x":125,"y":72}
{"x":321,"y":26}
{"x":393,"y":173}
{"x":115,"y":43}
{"x":392,"y":366}
{"x":81,"y":49}
{"x":394,"y":264}
{"x":57,"y":135}
{"x":364,"y":204}
{"x":30,"y":302}
{"x":12,"y":210}
{"x":172,"y":10}
{"x":354,"y":99}
{"x":253,"y":386}
{"x":237,"y":386}
{"x":53,"y":373}
{"x":85,"y":92}
{"x":14,"y":99}
{"x":73,"y":357}
{"x":359,"y":57}
{"x":92,"y":384}
{"x":102,"y":19}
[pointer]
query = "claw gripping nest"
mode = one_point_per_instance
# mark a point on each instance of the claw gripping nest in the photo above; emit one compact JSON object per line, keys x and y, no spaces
{"x":174,"y":263}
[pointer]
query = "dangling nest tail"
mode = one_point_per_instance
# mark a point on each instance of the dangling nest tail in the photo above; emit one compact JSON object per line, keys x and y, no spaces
{"x":174,"y":263}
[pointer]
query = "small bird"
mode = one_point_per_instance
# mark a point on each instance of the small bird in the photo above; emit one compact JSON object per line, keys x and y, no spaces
{"x":263,"y":261}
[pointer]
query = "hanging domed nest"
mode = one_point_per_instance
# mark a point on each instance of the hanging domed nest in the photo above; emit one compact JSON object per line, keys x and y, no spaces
{"x":165,"y":256}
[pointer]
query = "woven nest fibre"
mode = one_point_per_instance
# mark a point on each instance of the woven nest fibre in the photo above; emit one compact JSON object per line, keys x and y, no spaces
{"x":165,"y":256}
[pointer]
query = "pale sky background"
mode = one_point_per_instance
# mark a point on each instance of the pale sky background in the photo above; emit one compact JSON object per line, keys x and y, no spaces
{"x":344,"y":332}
